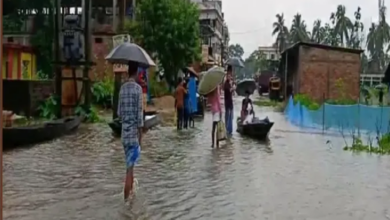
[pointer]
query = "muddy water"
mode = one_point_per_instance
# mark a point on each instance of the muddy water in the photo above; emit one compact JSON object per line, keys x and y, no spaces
{"x":294,"y":176}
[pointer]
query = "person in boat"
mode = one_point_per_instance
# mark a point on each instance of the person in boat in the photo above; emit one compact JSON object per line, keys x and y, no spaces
{"x":179,"y":103}
{"x":131,"y":114}
{"x":228,"y":90}
{"x":246,"y":103}
{"x":214,"y":100}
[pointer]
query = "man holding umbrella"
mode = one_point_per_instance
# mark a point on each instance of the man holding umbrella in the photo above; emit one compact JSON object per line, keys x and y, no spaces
{"x":130,"y":104}
{"x":228,"y":94}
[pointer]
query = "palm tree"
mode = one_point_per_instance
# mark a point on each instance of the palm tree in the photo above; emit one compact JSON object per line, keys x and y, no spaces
{"x":298,"y":30}
{"x":342,"y":24}
{"x":281,"y":32}
{"x":318,"y":32}
{"x":330,"y":36}
{"x":372,"y":40}
{"x":356,"y":38}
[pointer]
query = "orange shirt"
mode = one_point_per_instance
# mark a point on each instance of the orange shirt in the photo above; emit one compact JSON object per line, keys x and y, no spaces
{"x":179,"y":95}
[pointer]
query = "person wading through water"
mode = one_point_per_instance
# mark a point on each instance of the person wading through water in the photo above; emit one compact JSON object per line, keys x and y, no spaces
{"x":228,"y":94}
{"x":130,"y":112}
{"x":179,"y":103}
{"x":214,"y":99}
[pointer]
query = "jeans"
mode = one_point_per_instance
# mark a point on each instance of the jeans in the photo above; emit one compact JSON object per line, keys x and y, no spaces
{"x":229,"y":120}
{"x":186,"y":117}
{"x":180,"y":118}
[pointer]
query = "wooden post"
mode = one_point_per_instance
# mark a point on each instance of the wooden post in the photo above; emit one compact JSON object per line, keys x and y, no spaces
{"x":285,"y":77}
{"x":57,"y":51}
{"x":87,"y":50}
{"x":114,"y":15}
{"x":133,"y":5}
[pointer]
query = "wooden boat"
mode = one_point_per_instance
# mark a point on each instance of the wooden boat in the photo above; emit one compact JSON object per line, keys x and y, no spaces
{"x":258,"y":129}
{"x":32,"y":134}
{"x":150,"y":121}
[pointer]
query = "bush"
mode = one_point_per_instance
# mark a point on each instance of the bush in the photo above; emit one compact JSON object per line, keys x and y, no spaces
{"x":306,"y":101}
{"x":158,"y":89}
{"x":102,"y":92}
{"x":310,"y":104}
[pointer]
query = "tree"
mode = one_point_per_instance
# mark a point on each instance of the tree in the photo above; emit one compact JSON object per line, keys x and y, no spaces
{"x":236,"y":50}
{"x":281,"y":32}
{"x":169,"y":29}
{"x":342,"y":24}
{"x":298,"y":32}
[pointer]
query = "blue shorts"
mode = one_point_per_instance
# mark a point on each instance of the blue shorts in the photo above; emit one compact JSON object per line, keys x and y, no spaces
{"x":132,"y":155}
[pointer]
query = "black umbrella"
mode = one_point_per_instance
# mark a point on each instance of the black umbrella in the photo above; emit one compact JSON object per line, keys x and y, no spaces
{"x":126,"y":52}
{"x":235,"y":62}
{"x":244,"y":86}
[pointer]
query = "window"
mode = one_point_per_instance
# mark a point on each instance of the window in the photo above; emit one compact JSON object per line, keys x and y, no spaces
{"x":10,"y":39}
{"x":272,"y":56}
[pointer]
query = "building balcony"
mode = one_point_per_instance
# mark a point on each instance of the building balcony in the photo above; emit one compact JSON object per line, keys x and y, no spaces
{"x":100,"y":25}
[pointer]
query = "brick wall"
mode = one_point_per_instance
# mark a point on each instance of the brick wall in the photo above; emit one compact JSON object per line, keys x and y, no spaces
{"x":99,"y":52}
{"x":320,"y":70}
{"x":39,"y":92}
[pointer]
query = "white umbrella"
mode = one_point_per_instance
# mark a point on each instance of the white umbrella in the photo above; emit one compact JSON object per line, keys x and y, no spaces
{"x":210,"y":80}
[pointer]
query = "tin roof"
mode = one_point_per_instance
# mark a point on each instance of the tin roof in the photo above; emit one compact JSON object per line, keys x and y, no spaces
{"x":323,"y":46}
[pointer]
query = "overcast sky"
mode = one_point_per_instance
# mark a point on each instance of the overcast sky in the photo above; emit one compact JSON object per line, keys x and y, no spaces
{"x":250,"y":21}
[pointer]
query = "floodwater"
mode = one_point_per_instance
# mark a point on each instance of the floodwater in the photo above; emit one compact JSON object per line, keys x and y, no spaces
{"x":294,"y":176}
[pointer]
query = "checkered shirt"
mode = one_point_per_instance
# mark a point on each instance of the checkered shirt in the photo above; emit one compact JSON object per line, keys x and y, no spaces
{"x":130,"y":112}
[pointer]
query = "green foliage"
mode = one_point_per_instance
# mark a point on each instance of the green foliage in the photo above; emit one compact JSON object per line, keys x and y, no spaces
{"x":42,"y":40}
{"x":236,"y":50}
{"x":89,"y":113}
{"x":170,"y":30}
{"x":12,"y":23}
{"x":50,"y":107}
{"x":42,"y":75}
{"x":306,"y":101}
{"x":158,"y":89}
{"x":102,"y":92}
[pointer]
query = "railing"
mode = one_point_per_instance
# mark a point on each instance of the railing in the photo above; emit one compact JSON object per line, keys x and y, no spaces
{"x":15,"y":25}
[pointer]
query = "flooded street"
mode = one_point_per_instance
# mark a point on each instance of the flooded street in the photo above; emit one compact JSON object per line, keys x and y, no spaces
{"x":294,"y":176}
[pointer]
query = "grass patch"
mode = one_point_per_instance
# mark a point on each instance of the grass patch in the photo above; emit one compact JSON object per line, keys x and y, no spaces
{"x":382,"y":147}
{"x":265,"y":103}
{"x":278,"y":106}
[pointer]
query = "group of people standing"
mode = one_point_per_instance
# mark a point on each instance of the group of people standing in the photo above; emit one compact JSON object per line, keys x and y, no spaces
{"x":132,"y":106}
{"x":183,"y":105}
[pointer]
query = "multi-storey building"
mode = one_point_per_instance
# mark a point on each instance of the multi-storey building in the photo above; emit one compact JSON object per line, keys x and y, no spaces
{"x":18,"y":32}
{"x":212,"y":24}
{"x":271,"y":53}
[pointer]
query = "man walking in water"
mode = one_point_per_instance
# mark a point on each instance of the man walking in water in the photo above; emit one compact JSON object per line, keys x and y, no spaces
{"x":131,"y":114}
{"x":228,"y":93}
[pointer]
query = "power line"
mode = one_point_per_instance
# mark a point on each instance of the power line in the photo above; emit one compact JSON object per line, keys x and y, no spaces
{"x":245,"y":32}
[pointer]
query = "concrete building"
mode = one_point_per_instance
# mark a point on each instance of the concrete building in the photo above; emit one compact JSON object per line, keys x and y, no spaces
{"x":212,"y":25}
{"x":270,"y":52}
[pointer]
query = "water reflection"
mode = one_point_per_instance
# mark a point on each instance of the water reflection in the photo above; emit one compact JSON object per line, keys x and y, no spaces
{"x":292,"y":176}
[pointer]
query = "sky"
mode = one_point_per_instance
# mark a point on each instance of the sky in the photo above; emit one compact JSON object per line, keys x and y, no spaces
{"x":250,"y":21}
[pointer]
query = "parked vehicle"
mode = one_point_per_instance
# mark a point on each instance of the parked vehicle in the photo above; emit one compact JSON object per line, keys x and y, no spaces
{"x":263,"y":81}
